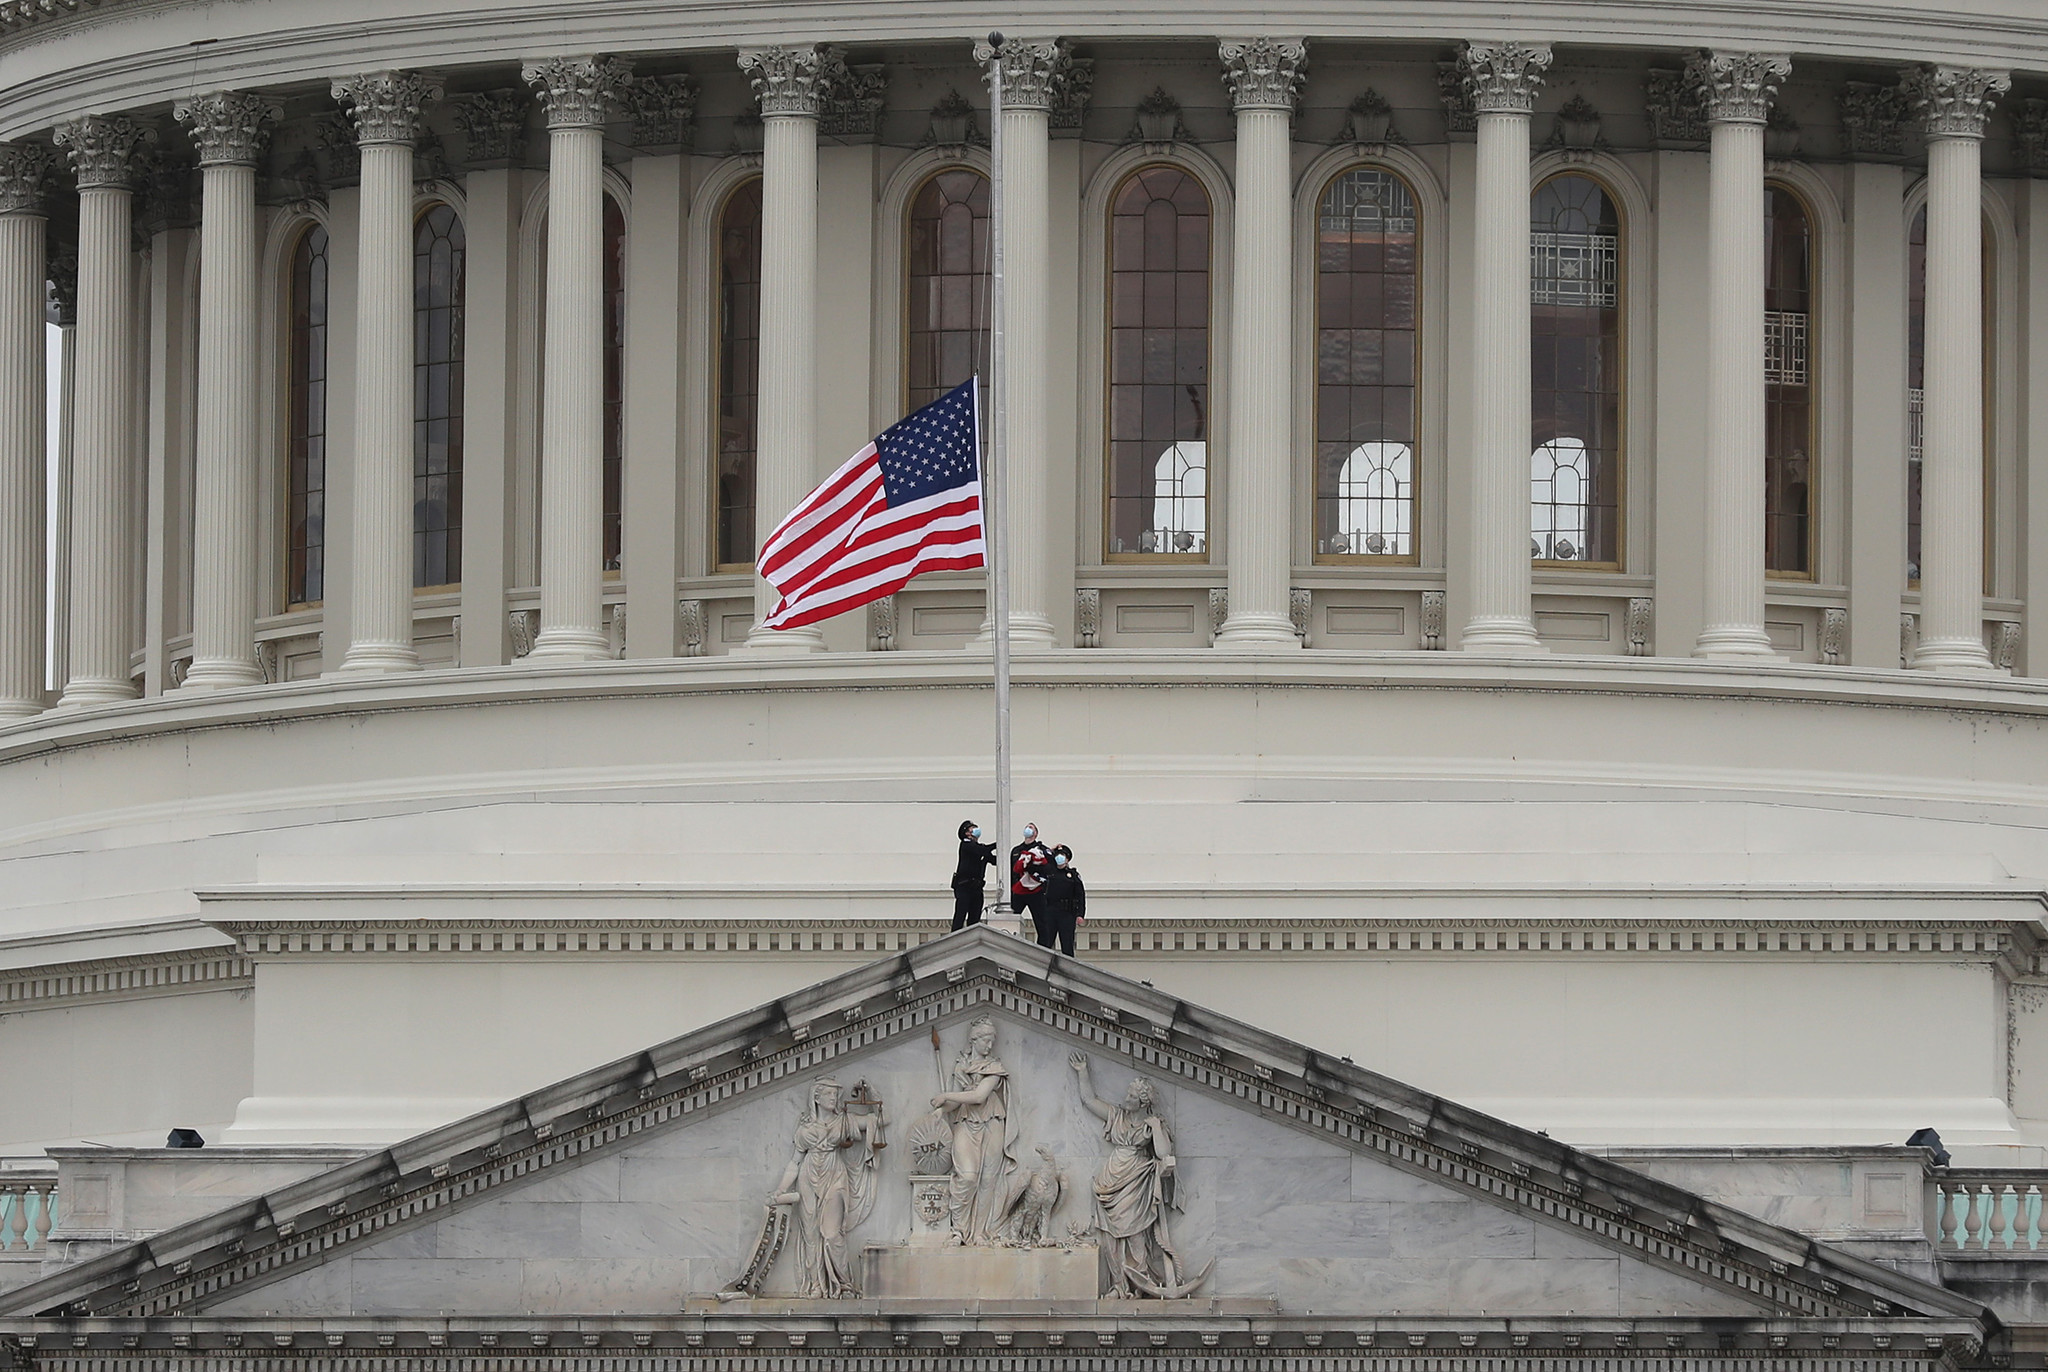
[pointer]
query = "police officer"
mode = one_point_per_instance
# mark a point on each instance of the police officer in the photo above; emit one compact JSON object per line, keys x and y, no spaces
{"x":974,"y":856}
{"x":1029,"y":862}
{"x":1066,"y":901}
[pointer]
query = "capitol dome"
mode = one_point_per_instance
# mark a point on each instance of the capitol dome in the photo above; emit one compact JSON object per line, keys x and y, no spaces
{"x":1523,"y":522}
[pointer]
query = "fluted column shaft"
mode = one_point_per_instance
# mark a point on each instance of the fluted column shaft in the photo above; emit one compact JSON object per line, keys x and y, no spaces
{"x":791,"y":82}
{"x":23,"y":426}
{"x":228,"y":129}
{"x":1502,"y":79}
{"x":1738,"y":89}
{"x":1032,"y":72}
{"x":579,"y":94}
{"x":386,"y":110}
{"x":102,"y":150}
{"x":1263,"y":75}
{"x":1953,"y":104}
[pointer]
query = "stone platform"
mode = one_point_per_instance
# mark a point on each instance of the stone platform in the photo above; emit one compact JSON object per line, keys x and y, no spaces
{"x":987,"y":1274}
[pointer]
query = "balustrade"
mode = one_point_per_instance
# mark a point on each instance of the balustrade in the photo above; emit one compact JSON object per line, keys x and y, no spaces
{"x":28,"y":1212}
{"x":1986,"y":1213}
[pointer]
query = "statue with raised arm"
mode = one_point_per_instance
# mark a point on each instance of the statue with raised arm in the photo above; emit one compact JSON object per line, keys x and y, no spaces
{"x":829,"y":1186}
{"x":977,"y":1105}
{"x":1134,"y":1190}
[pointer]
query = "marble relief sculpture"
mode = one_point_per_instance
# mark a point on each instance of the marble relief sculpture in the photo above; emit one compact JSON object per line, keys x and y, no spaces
{"x":977,"y":1107}
{"x":827,"y":1190}
{"x":1134,"y":1190}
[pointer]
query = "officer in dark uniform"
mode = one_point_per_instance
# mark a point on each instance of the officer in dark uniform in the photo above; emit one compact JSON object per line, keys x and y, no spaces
{"x":1029,"y":862}
{"x":1066,"y":901}
{"x":974,"y":857}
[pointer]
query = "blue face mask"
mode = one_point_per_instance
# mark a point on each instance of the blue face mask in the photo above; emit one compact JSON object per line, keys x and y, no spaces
{"x":975,"y":831}
{"x":1059,"y":860}
{"x":1030,"y":835}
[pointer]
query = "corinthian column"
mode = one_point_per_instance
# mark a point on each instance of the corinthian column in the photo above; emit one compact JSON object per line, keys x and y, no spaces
{"x":228,"y":128}
{"x":791,"y":83}
{"x":23,"y":425}
{"x":579,"y":94}
{"x":1033,"y":72}
{"x":1953,"y":103}
{"x":1503,"y":79}
{"x":103,"y":152}
{"x":1262,"y":74}
{"x":1738,"y":87}
{"x":385,"y":106}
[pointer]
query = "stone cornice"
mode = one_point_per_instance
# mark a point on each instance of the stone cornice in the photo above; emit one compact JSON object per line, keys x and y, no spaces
{"x":579,"y":92}
{"x":1738,"y":87}
{"x":24,"y":177}
{"x":385,"y":106}
{"x":1263,"y":73}
{"x":1954,"y":102}
{"x":228,"y":127}
{"x":125,"y":977}
{"x":105,"y":149}
{"x":1503,"y":78}
{"x":186,"y":1268}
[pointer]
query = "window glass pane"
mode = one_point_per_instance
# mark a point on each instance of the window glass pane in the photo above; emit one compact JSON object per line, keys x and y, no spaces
{"x":949,"y":284}
{"x":439,"y":250}
{"x":1788,"y":383}
{"x":306,"y":443}
{"x":1365,"y":441}
{"x":1159,"y":364}
{"x":739,"y":334}
{"x":1575,"y":276}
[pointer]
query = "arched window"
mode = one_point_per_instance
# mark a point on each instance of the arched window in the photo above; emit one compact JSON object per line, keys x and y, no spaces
{"x":1158,"y":364}
{"x":438,"y":251}
{"x":306,"y":440}
{"x":1788,"y":384}
{"x":1916,"y":394}
{"x":614,"y":383}
{"x":1366,"y":320}
{"x":948,"y":278}
{"x":1575,"y":266}
{"x":739,"y":370}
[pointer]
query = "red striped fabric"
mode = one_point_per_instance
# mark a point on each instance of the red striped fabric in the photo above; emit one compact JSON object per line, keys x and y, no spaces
{"x":845,"y":546}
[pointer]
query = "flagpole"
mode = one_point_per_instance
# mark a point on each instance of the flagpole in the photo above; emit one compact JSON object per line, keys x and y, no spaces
{"x":994,"y":503}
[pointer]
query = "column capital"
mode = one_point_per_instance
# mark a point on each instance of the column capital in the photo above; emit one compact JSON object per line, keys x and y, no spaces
{"x":1035,"y":70}
{"x":385,"y":106}
{"x":1737,"y":87}
{"x":24,"y":177}
{"x":1503,"y":78}
{"x":104,"y":148}
{"x":228,"y":127}
{"x":579,"y":92}
{"x":1954,"y":102}
{"x":792,"y":81}
{"x":1263,"y":73}
{"x":663,"y":110}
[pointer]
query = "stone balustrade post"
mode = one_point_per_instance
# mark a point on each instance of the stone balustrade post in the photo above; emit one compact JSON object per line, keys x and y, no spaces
{"x":103,"y":149}
{"x":228,"y":128}
{"x":1953,"y":103}
{"x":1263,"y":75}
{"x":385,"y":107}
{"x":1502,"y":79}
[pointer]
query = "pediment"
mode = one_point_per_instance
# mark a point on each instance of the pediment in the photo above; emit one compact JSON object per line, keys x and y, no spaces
{"x":1301,"y":1187}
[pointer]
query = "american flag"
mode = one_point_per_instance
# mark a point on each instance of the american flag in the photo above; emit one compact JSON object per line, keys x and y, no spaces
{"x":907,"y":503}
